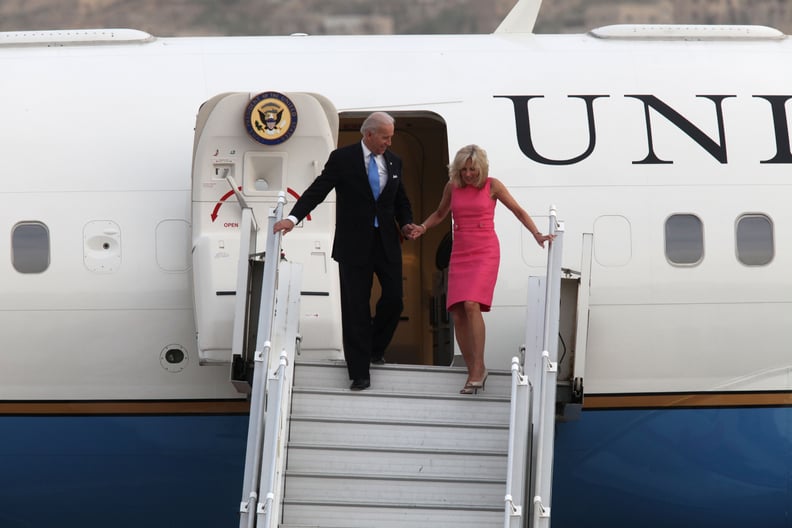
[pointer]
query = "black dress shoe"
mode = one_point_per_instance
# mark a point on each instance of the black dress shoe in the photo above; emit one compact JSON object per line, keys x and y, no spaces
{"x":360,"y":384}
{"x":377,"y":361}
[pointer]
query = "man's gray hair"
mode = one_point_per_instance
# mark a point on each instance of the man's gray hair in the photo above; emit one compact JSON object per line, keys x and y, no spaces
{"x":376,"y":120}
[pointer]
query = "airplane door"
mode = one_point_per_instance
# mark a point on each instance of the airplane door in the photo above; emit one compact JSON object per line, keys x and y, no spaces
{"x":261,"y":144}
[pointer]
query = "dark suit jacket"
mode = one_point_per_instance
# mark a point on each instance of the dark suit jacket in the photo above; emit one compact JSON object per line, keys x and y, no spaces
{"x":345,"y":172}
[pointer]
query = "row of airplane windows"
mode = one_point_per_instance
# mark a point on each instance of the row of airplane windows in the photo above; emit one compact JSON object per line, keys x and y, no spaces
{"x":753,"y":238}
{"x":684,"y":242}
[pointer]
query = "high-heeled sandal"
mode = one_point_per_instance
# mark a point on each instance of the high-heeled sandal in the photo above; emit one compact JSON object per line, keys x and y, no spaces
{"x":472,"y":387}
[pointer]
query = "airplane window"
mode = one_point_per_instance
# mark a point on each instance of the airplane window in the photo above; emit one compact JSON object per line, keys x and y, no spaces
{"x":30,"y":247}
{"x":684,"y":239}
{"x":755,"y":245}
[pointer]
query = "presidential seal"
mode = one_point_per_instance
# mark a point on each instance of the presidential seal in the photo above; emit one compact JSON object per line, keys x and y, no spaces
{"x":270,"y":118}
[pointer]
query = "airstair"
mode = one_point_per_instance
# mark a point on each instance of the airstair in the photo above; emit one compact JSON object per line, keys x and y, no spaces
{"x":410,"y":452}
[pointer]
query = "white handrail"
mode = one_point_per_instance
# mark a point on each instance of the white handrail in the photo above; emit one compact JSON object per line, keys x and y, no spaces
{"x":256,"y":424}
{"x":513,"y":511}
{"x":545,"y":422}
{"x":247,"y":247}
{"x":531,"y":422}
{"x":539,"y":510}
{"x":274,"y":401}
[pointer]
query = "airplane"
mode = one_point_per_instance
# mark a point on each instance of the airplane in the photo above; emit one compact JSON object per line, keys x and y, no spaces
{"x":665,"y":149}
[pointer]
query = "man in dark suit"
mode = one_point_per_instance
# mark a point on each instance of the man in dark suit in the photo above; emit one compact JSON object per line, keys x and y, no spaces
{"x":370,"y":201}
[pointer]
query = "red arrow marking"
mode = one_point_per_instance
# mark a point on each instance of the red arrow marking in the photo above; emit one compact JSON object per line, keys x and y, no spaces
{"x":225,"y":197}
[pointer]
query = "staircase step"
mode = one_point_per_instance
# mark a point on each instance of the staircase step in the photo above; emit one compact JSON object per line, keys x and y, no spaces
{"x":341,"y":515}
{"x":399,"y":407}
{"x":407,"y":379}
{"x":428,"y":463}
{"x":364,"y":434}
{"x":395,"y":491}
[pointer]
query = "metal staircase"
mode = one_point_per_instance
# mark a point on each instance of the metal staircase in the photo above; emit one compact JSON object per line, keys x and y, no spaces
{"x":409,"y":452}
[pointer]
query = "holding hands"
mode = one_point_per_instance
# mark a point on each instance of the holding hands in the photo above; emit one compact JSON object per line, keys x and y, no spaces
{"x":412,"y":231}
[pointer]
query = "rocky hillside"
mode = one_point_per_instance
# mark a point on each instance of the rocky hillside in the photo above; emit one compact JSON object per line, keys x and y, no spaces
{"x":257,"y":17}
{"x":336,"y":17}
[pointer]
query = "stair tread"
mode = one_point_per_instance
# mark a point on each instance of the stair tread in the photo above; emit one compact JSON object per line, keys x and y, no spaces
{"x":392,"y":477}
{"x":394,"y":505}
{"x":374,"y":392}
{"x":380,"y":449}
{"x":385,"y":421}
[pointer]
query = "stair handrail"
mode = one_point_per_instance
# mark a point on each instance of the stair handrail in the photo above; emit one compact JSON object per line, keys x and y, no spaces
{"x":529,"y":420}
{"x":256,"y":423}
{"x":544,"y":426}
{"x":247,"y":247}
{"x":271,"y":444}
{"x":518,"y":452}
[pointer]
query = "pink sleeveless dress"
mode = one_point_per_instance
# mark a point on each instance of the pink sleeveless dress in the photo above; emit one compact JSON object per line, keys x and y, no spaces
{"x":475,"y":252}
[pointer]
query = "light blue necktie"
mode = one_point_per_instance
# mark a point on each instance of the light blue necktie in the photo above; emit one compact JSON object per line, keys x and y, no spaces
{"x":374,"y":180}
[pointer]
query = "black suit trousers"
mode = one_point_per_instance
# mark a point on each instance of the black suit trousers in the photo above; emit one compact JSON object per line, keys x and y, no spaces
{"x":366,"y":338}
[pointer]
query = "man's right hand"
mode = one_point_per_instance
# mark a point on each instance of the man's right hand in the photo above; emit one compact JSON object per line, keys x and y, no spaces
{"x":284,"y":226}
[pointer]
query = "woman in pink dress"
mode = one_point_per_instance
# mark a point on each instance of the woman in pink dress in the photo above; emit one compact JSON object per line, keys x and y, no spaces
{"x":471,"y":196}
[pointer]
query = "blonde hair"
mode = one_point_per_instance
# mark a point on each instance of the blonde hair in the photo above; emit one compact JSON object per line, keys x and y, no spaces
{"x":478,"y":156}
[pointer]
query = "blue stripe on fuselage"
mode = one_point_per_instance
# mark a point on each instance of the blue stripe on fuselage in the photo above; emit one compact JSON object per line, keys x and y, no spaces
{"x":713,"y":467}
{"x":121,"y":471}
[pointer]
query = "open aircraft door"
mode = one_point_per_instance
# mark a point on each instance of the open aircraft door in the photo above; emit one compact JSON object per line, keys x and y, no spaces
{"x":249,"y":148}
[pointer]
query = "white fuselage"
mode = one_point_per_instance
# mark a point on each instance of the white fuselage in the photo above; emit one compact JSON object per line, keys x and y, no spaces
{"x":94,"y":134}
